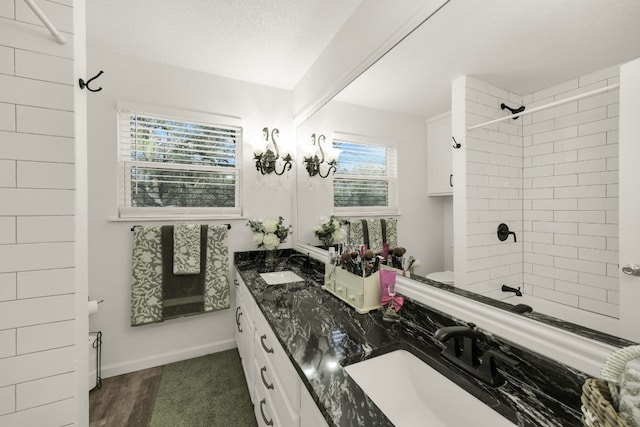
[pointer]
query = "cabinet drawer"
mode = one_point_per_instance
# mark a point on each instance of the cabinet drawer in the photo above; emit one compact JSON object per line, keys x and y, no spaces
{"x":265,"y":414}
{"x":242,"y":293}
{"x":355,"y":297}
{"x":265,"y":377}
{"x":269,"y":346}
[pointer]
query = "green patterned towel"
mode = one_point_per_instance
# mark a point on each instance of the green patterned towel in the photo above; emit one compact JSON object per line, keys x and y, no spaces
{"x":149,"y":303}
{"x":146,"y":286}
{"x":373,"y":232}
{"x":182,"y":294}
{"x":216,"y":284}
{"x":186,"y":249}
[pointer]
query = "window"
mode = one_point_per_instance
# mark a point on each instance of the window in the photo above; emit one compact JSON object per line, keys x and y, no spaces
{"x":366,"y":178}
{"x":172,"y":166}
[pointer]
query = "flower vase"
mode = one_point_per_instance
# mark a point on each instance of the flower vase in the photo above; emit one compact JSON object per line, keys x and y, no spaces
{"x":327,"y":243}
{"x":270,"y":258}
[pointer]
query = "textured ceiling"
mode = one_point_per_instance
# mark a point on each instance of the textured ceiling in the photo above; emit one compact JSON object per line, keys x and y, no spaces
{"x":518,"y":45}
{"x":270,"y":42}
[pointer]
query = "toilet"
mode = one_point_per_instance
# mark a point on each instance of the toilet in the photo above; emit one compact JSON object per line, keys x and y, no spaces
{"x":445,"y":277}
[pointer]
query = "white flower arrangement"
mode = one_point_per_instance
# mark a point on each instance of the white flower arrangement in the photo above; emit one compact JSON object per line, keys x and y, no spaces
{"x":330,"y":231}
{"x":269,"y":233}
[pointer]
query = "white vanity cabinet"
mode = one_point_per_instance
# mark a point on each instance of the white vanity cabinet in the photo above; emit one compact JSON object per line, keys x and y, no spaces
{"x":310,"y":415}
{"x":439,"y":156}
{"x":278,"y":395}
{"x":244,"y":330}
{"x":277,"y":383}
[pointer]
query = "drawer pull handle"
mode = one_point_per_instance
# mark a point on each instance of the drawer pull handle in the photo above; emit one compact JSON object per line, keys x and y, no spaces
{"x":239,"y":328}
{"x":237,"y":315}
{"x":266,"y":421}
{"x":235,"y":282}
{"x":266,"y":384}
{"x":267,"y":349}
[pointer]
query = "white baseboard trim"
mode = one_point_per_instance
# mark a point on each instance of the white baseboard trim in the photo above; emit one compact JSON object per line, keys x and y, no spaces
{"x":162,"y":359}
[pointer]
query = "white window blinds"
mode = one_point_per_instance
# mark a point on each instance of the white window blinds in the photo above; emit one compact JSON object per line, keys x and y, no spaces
{"x":171,"y":166}
{"x":366,"y":178}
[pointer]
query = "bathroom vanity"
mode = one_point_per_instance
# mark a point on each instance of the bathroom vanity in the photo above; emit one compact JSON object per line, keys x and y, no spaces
{"x":297,"y":342}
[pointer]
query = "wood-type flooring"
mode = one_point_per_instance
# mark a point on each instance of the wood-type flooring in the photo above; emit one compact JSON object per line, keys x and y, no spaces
{"x":125,"y":400}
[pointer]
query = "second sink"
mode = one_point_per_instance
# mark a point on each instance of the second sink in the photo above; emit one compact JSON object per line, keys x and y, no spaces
{"x":410,"y":392}
{"x":280,"y":277}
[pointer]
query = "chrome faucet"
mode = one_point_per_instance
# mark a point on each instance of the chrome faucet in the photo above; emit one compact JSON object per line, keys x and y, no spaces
{"x":462,"y":350}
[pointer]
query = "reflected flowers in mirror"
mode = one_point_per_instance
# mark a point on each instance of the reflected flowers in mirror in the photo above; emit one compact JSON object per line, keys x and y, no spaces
{"x":330,"y":231}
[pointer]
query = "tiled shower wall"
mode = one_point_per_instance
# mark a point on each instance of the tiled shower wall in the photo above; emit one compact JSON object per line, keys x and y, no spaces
{"x":494,"y":190}
{"x":552,"y":177}
{"x":571,"y":195}
{"x":37,"y":301}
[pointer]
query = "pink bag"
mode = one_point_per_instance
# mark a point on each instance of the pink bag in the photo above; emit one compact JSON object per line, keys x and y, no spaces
{"x":387,"y":277}
{"x":388,"y":290}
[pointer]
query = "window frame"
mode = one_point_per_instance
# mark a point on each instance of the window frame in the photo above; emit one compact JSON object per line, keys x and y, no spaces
{"x":123,"y":206}
{"x":391,"y":177}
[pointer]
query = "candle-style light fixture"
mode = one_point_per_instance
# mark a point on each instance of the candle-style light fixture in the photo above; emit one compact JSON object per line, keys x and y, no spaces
{"x":266,"y":154}
{"x":313,"y":162}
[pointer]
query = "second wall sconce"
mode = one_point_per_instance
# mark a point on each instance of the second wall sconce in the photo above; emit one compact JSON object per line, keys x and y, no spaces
{"x":266,"y":154}
{"x":313,"y":163}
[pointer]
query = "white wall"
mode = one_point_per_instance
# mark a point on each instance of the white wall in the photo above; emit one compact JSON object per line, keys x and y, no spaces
{"x":372,"y":29}
{"x":571,"y":195}
{"x":38,"y":354}
{"x":420,"y":223}
{"x":126,"y":348}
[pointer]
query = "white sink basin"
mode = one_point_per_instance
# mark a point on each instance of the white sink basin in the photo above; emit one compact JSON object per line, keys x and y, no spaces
{"x":412,"y":393}
{"x":279,"y":277}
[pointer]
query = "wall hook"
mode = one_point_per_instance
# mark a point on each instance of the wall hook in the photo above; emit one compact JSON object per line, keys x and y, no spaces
{"x":456,"y":144}
{"x":513,"y":110}
{"x":84,"y":84}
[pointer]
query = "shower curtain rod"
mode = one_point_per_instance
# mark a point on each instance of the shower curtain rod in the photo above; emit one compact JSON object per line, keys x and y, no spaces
{"x":40,"y":14}
{"x":549,"y":105}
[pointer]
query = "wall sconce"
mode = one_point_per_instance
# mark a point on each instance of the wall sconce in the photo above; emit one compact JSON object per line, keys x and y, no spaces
{"x":311,"y":160}
{"x":266,"y":154}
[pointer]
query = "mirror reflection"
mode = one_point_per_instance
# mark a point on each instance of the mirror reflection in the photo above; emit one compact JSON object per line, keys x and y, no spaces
{"x":550,"y":176}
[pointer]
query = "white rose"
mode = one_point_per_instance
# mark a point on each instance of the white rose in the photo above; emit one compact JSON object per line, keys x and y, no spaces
{"x":335,"y":223}
{"x":339,"y":235}
{"x":257,"y":238}
{"x":270,"y":241}
{"x":270,"y":225}
{"x":317,"y":228}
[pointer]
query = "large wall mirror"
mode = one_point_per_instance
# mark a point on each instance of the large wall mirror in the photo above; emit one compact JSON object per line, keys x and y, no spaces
{"x":551,"y":176}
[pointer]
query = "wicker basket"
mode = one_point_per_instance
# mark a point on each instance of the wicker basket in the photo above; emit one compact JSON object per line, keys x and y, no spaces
{"x":596,"y":405}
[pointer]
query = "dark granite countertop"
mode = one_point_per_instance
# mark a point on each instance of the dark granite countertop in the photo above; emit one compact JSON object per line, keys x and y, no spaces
{"x":322,"y":335}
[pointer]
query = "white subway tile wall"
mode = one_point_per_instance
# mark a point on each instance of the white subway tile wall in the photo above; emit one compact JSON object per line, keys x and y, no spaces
{"x":37,"y":301}
{"x":552,"y":177}
{"x":494,"y":190}
{"x":571,"y":200}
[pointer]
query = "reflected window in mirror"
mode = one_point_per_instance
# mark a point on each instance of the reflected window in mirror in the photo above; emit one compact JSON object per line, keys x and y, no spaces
{"x":366,"y":178}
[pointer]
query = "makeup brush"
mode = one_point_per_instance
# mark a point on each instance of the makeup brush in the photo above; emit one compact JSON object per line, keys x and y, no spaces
{"x":345,"y":261}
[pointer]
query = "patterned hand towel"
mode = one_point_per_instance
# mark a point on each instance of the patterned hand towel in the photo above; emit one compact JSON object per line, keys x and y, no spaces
{"x":186,"y":249}
{"x":216,"y":283}
{"x":182,"y":294}
{"x":630,"y":396}
{"x":146,"y":286}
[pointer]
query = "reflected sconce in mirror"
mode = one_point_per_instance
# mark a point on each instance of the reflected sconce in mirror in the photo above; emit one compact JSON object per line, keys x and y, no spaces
{"x":267,"y":154}
{"x":315,"y":156}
